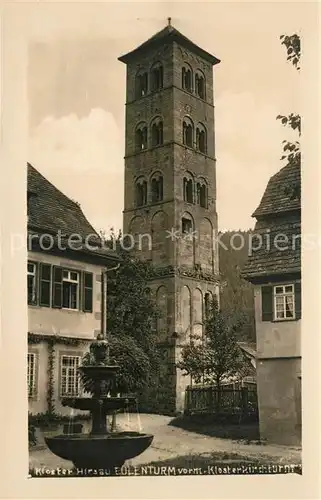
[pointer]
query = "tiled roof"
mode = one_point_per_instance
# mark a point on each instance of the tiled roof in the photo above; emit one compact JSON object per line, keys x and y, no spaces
{"x":279,"y":193}
{"x":52,"y":212}
{"x":276,"y":239}
{"x":167,"y":34}
{"x":276,"y":251}
{"x":249,"y":348}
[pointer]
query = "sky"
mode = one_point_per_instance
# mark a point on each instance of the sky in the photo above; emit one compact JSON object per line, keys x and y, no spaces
{"x":76,"y":95}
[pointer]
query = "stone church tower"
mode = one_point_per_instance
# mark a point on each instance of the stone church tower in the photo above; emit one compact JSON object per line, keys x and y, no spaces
{"x":170,"y":189}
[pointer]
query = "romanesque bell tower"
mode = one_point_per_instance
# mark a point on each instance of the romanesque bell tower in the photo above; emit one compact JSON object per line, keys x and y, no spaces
{"x":170,"y":188}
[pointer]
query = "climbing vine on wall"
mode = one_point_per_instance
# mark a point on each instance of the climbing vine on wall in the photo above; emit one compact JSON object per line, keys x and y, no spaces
{"x":52,"y":340}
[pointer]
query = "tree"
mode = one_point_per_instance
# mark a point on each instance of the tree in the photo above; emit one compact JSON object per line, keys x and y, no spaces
{"x":236,"y":294}
{"x":131,"y":319}
{"x":217,"y":356}
{"x":291,"y":150}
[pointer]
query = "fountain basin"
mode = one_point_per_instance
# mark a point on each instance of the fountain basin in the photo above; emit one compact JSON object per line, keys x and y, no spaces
{"x":99,"y":372}
{"x":105,"y":404}
{"x":101,"y":451}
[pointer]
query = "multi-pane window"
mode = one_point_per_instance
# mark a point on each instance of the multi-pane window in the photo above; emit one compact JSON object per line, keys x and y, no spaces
{"x":70,"y":378}
{"x":284,"y":302}
{"x":31,"y":374}
{"x":32,"y":282}
{"x":70,"y":289}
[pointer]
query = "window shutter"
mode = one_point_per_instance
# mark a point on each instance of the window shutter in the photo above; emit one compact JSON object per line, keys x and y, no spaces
{"x":267,"y":303}
{"x":87,"y":292}
{"x":44,"y":284}
{"x":57,"y":287}
{"x":297,"y":291}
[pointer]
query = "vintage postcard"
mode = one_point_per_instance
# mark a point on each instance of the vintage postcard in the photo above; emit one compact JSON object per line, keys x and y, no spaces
{"x":160,"y":246}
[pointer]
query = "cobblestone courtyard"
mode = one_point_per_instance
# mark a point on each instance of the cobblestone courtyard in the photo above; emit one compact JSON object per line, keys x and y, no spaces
{"x":171,"y":442}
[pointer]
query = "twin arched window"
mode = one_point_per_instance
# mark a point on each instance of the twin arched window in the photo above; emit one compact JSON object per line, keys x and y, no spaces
{"x":156,"y":77}
{"x":188,"y":135}
{"x":141,"y":134}
{"x":156,"y":190}
{"x":187,"y":81}
{"x":201,"y":195}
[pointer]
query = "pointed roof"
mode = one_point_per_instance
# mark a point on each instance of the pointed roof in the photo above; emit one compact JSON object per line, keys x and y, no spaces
{"x":166,"y":35}
{"x":51,"y":212}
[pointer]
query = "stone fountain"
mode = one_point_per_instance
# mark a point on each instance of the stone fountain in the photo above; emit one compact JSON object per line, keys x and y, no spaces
{"x":101,"y":448}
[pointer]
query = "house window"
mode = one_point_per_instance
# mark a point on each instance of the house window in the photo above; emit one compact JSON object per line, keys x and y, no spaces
{"x":141,"y":84}
{"x":187,"y":78}
{"x":45,"y":285}
{"x":157,"y":188}
{"x":32,"y":282}
{"x":187,"y":225}
{"x":157,"y":77}
{"x":141,"y":137}
{"x":284,"y":302}
{"x":200,"y":85}
{"x":141,"y":193}
{"x":32,"y":374}
{"x":188,"y":132}
{"x":201,"y":138}
{"x":70,"y":289}
{"x":188,"y":190}
{"x":70,"y":379}
{"x":157,"y":133}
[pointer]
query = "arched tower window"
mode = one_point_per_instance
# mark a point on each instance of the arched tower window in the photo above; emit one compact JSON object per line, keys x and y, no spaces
{"x":156,"y":77}
{"x":141,"y":137}
{"x":188,"y":188}
{"x":207,"y":304}
{"x":157,"y":132}
{"x":157,"y":187}
{"x":187,"y":78}
{"x":201,"y":193}
{"x":188,"y":132}
{"x":201,"y":139}
{"x":140,"y":192}
{"x":200,"y":84}
{"x":141,"y":84}
{"x":187,"y":224}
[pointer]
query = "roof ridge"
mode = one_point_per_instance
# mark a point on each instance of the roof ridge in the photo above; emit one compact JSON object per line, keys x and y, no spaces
{"x":75,"y":203}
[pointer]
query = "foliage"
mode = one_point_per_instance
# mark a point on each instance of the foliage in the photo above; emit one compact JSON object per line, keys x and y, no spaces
{"x":291,"y":150}
{"x":236,"y":294}
{"x":217,"y":356}
{"x":131,"y":319}
{"x":47,"y":419}
{"x":133,"y":363}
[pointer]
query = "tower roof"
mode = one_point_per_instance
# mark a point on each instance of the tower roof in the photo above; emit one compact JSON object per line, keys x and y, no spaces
{"x":168,"y":34}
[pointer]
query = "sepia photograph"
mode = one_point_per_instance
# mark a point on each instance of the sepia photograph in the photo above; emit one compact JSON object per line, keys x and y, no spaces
{"x":163,"y":239}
